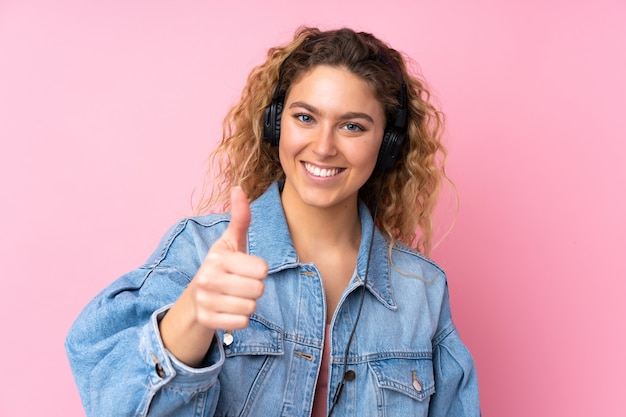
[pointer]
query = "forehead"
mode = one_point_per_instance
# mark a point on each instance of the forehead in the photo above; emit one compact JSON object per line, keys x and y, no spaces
{"x":334,"y":87}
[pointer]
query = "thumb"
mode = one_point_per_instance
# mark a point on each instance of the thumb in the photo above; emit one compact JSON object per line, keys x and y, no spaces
{"x":237,"y":231}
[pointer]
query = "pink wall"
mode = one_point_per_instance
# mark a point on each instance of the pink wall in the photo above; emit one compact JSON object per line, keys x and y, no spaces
{"x":108,"y":110}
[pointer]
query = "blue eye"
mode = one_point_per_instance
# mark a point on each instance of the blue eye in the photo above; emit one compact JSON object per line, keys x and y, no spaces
{"x":353,"y":127}
{"x":305,"y":118}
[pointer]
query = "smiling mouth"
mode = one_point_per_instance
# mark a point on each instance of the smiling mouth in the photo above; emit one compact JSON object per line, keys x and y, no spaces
{"x":321,"y":172}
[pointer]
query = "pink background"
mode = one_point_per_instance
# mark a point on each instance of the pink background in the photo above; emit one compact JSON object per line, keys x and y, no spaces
{"x":108,"y":110}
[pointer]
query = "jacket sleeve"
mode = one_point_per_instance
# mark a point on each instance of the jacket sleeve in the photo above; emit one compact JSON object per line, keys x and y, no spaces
{"x":456,"y":383}
{"x":118,"y":359}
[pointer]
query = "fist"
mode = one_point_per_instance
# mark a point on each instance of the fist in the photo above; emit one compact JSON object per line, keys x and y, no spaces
{"x":229,"y":281}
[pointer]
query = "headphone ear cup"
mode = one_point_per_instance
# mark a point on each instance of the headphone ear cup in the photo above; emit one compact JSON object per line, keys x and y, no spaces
{"x":271,"y":122}
{"x":390,"y":148}
{"x":277,"y":118}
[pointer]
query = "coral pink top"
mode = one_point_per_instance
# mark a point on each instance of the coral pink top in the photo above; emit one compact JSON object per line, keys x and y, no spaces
{"x":321,"y":390}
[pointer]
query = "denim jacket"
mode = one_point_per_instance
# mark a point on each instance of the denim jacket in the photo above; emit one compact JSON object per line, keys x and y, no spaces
{"x":406,"y":355}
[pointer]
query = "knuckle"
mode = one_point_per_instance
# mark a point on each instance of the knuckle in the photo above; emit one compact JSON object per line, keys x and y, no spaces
{"x":213,"y":258}
{"x":203,"y":300}
{"x":250,"y":307}
{"x":244,"y":321}
{"x":258,"y":289}
{"x":238,"y":322}
{"x":205,"y":318}
{"x":204,"y":275}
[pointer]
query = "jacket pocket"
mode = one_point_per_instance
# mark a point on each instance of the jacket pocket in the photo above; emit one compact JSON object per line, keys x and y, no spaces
{"x":412,"y":377}
{"x":249,"y":374}
{"x":260,"y":337}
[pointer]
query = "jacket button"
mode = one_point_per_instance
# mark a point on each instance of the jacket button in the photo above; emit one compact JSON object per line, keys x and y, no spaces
{"x":416,"y":382}
{"x":417,"y":385}
{"x":349,"y":375}
{"x":228,"y":339}
{"x":159,"y":370}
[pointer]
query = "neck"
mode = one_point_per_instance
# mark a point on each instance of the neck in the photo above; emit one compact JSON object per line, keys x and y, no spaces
{"x":317,"y":230}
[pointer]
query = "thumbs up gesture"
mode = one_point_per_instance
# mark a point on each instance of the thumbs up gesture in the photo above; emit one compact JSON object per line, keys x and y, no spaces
{"x":229,"y":281}
{"x":223,"y":293}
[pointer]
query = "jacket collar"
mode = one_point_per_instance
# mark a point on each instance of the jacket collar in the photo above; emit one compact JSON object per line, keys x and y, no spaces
{"x":269,"y":238}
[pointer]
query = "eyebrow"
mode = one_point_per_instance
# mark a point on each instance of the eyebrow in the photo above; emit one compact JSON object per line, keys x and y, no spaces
{"x":345,"y":116}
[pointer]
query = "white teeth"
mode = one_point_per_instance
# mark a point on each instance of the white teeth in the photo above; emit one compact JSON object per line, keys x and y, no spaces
{"x":321,"y":172}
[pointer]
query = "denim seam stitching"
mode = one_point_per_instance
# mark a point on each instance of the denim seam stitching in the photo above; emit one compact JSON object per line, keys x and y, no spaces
{"x":443,"y":334}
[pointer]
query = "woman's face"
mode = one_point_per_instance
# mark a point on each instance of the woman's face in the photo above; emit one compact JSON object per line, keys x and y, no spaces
{"x":331,"y":131}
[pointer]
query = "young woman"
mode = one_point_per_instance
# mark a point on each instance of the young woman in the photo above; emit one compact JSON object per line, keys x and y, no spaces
{"x":312,"y":296}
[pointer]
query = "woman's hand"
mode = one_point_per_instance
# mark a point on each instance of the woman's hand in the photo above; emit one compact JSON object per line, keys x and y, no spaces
{"x":223,"y":293}
{"x":229,"y":280}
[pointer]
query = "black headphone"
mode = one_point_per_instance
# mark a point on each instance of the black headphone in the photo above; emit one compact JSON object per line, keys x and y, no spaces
{"x":395,"y":131}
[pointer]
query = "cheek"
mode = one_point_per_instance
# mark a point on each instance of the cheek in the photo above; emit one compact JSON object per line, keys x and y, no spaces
{"x":367,"y":154}
{"x":287,"y":150}
{"x":293,"y":142}
{"x":281,"y":156}
{"x":289,"y":138}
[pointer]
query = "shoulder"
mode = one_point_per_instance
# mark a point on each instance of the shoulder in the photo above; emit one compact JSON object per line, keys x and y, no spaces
{"x":188,"y":240}
{"x":418,"y":282}
{"x":408,"y":260}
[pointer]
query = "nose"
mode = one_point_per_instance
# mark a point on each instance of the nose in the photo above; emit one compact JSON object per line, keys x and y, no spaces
{"x":324,"y":143}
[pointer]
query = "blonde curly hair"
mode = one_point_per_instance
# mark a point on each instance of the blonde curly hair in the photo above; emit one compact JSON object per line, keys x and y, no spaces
{"x":411,"y":186}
